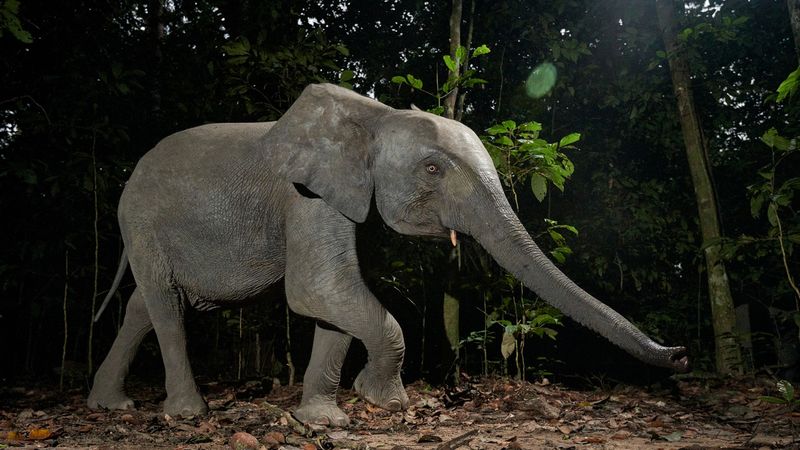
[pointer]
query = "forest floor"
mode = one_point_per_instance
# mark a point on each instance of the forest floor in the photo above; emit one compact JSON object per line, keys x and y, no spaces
{"x":481,"y":414}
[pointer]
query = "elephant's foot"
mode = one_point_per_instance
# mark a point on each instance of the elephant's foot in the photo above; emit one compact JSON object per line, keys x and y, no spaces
{"x":108,"y":399}
{"x":381,"y":390}
{"x":322,"y":412}
{"x":191,"y":404}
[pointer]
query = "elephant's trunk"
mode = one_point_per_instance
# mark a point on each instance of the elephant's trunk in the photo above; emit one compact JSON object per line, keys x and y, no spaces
{"x":512,"y":247}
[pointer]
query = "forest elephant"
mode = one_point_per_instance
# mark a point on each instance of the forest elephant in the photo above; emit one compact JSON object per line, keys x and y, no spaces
{"x":214,"y":215}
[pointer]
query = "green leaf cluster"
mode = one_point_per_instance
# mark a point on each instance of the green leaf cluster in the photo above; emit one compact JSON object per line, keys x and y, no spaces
{"x":9,"y":21}
{"x":265,"y":79}
{"x":458,"y":77}
{"x":787,"y":395}
{"x":521,"y":155}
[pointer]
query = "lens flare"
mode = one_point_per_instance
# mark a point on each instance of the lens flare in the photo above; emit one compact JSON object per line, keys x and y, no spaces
{"x":541,"y":80}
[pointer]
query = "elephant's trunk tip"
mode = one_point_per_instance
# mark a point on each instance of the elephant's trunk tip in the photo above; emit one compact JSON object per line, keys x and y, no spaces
{"x":679,"y":360}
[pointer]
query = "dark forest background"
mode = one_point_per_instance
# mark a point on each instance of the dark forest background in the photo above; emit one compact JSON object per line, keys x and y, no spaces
{"x":87,"y":87}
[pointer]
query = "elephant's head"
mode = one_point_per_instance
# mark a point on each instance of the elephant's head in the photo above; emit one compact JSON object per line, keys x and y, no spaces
{"x":430,"y":176}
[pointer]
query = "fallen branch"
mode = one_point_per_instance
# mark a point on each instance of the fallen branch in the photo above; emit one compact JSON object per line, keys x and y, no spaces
{"x":458,"y":441}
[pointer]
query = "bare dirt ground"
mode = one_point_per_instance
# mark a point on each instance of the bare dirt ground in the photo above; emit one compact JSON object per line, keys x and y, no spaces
{"x":480,"y":414}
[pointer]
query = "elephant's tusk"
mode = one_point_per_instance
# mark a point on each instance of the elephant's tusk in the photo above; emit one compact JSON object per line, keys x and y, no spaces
{"x":453,"y":238}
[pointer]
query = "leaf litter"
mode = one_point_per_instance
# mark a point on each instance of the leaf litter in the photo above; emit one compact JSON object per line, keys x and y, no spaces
{"x":492,"y":413}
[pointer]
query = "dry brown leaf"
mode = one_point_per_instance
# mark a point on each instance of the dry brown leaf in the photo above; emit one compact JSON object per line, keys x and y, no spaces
{"x":13,"y":436}
{"x":621,"y":435}
{"x":590,"y":440}
{"x":38,"y":434}
{"x":95,"y":416}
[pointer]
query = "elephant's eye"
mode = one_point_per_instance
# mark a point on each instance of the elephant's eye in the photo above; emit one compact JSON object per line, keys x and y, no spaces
{"x":432,"y":169}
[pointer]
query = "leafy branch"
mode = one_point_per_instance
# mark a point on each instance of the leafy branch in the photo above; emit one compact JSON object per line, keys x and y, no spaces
{"x":456,"y":78}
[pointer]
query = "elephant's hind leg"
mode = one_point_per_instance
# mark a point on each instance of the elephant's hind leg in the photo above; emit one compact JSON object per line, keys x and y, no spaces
{"x":167,"y":313}
{"x":322,"y":379}
{"x":108,"y":388}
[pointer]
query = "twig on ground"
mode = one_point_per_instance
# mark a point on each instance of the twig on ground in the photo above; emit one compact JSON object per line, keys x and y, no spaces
{"x":458,"y":441}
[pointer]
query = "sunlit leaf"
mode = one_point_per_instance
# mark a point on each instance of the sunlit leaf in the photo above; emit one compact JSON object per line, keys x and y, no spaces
{"x":569,"y":139}
{"x":774,"y":140}
{"x":448,"y":61}
{"x":482,"y":50}
{"x":789,"y":86}
{"x":508,"y":345}
{"x":414,"y":82}
{"x":539,"y":186}
{"x":461,"y":54}
{"x":786,"y":389}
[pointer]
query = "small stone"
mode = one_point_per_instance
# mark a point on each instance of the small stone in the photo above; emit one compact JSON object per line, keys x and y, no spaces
{"x":244,"y":441}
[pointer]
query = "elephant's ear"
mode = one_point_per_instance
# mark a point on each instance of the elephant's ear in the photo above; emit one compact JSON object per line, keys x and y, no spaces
{"x":324,"y":142}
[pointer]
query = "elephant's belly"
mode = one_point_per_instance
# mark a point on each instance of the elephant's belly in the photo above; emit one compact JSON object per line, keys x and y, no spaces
{"x":208,"y":288}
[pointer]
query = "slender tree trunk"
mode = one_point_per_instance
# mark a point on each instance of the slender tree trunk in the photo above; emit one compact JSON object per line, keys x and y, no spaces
{"x":794,"y":18}
{"x":455,"y":42}
{"x":459,"y":114}
{"x":728,"y":352}
{"x":450,"y":305}
{"x":156,"y":28}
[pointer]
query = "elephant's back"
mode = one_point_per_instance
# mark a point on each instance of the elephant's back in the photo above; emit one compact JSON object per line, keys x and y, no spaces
{"x":205,"y":198}
{"x":205,"y":147}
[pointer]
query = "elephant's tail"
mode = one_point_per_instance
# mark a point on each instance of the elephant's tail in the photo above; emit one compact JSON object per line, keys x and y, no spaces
{"x":123,"y":265}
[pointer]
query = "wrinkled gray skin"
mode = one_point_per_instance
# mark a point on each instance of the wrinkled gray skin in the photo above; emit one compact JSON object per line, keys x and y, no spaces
{"x":211,"y":217}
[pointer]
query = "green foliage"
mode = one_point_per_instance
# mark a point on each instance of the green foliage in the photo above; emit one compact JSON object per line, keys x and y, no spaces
{"x":521,"y":155}
{"x":9,"y":21}
{"x":457,"y":78}
{"x":266,"y":79}
{"x":789,"y":86}
{"x":787,"y":395}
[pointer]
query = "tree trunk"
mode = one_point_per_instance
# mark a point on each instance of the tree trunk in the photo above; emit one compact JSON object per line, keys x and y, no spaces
{"x":459,"y":114}
{"x":728,"y":352}
{"x":794,"y":18}
{"x":455,"y":42}
{"x":156,"y":28}
{"x":450,"y":306}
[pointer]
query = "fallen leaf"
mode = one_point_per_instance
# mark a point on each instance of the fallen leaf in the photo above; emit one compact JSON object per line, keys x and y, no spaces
{"x":38,"y":434}
{"x":206,"y":427}
{"x":673,"y":437}
{"x":564,"y":429}
{"x":128,"y":418}
{"x":279,"y":437}
{"x":13,"y":436}
{"x":428,"y":438}
{"x":590,"y":440}
{"x":621,"y":435}
{"x":309,"y":446}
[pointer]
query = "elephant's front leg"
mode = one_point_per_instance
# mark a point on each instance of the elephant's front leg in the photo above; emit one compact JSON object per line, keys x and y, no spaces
{"x":323,"y":281}
{"x":321,"y":380}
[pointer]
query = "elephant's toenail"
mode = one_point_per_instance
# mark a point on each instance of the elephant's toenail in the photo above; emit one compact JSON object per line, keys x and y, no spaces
{"x":394,"y":405}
